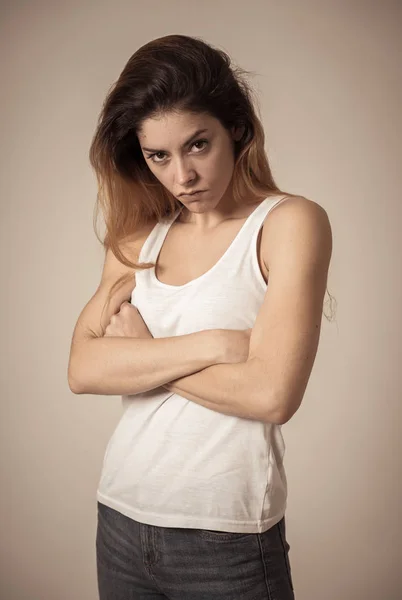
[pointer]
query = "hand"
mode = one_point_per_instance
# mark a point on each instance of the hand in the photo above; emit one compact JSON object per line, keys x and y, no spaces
{"x":236,"y":345}
{"x":127,"y":323}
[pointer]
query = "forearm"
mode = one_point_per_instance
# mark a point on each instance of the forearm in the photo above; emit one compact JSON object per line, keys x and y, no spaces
{"x":231,"y":389}
{"x":122,"y":365}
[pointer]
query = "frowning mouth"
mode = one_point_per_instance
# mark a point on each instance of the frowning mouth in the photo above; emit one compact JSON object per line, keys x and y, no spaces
{"x":193,"y":195}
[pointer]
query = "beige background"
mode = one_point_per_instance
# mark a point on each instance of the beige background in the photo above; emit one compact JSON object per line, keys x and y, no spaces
{"x":329,"y":79}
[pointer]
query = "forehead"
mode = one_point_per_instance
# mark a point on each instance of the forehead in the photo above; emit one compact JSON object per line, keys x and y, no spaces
{"x":173,"y":126}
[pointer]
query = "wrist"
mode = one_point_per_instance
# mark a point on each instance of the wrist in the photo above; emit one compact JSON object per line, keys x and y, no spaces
{"x":216,"y":346}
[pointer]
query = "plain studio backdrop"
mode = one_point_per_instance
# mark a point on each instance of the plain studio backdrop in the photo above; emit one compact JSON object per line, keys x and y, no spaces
{"x":328,"y":79}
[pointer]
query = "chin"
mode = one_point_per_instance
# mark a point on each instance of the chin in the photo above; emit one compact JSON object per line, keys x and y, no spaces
{"x":197,"y":205}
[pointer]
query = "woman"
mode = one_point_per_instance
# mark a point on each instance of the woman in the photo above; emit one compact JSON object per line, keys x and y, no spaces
{"x":210,"y":360}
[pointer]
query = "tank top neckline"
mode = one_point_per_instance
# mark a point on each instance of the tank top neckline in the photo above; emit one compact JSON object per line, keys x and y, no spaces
{"x":168,"y":225}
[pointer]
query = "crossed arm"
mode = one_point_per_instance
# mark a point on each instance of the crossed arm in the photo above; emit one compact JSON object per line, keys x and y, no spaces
{"x":270,"y":385}
{"x":231,"y":389}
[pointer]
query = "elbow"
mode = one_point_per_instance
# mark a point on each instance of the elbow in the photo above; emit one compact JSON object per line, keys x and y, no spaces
{"x":74,"y":387}
{"x":286,"y":410}
{"x":278,"y":411}
{"x":276,"y":418}
{"x":83,"y":373}
{"x":75,"y":382}
{"x":282,"y":418}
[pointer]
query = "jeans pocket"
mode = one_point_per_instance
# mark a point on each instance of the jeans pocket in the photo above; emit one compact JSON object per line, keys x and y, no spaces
{"x":222,"y":536}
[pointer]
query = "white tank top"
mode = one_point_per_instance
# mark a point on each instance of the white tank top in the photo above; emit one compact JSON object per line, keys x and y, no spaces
{"x":174,"y":463}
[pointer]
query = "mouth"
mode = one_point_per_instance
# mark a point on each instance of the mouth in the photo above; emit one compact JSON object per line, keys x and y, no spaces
{"x":194,"y":195}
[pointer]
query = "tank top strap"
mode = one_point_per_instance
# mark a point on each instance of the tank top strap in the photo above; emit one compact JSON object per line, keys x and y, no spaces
{"x":153,"y":244}
{"x":250,"y":229}
{"x":269,"y":203}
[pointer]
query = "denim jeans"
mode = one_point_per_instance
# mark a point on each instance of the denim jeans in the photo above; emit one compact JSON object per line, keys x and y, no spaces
{"x":146,"y":562}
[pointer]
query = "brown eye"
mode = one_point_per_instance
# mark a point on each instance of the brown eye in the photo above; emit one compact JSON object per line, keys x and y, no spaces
{"x":152,"y":156}
{"x":156,"y":154}
{"x":201,"y":142}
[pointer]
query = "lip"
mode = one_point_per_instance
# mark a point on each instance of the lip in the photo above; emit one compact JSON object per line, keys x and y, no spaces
{"x":193,"y":194}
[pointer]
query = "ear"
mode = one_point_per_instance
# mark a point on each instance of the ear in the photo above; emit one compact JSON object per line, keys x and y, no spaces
{"x":237,"y":132}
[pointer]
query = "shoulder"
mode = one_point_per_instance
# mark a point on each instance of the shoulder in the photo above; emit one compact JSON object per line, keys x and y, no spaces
{"x":296,"y":223}
{"x":131,"y":244}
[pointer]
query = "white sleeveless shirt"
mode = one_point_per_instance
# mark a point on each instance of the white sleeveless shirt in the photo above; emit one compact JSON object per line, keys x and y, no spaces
{"x":170,"y":461}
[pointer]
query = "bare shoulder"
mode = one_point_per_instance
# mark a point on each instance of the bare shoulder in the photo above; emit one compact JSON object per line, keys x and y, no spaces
{"x":131,"y":245}
{"x":296,"y":218}
{"x":114,"y":268}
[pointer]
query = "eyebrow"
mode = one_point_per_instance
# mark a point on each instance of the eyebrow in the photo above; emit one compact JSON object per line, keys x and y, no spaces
{"x":195,"y":134}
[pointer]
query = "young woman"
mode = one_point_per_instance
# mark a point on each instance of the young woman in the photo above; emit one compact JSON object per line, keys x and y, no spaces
{"x":210,"y":360}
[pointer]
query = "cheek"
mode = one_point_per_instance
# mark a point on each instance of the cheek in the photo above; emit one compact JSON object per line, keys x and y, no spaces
{"x":221,"y":168}
{"x":158,"y":174}
{"x":164,"y":177}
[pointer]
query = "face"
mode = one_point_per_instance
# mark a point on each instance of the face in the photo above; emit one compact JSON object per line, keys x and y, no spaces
{"x":186,"y":161}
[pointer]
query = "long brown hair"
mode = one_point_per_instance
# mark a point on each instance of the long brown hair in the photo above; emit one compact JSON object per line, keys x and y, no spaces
{"x":171,"y":73}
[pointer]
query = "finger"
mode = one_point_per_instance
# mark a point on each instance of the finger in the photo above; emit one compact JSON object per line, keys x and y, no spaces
{"x":126,"y":306}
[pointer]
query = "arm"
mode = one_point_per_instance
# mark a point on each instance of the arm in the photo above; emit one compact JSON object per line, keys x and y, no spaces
{"x":225,"y":346}
{"x":231,"y":389}
{"x":124,"y":365}
{"x":228,"y":386}
{"x":270,"y":385}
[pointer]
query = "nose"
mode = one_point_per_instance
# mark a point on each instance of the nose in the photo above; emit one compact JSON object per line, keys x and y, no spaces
{"x":185,"y":173}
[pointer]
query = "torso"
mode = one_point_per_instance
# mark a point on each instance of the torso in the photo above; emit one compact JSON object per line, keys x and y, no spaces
{"x":185,"y":255}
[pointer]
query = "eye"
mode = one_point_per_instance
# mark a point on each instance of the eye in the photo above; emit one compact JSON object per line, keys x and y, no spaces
{"x":152,"y":156}
{"x":201,"y":142}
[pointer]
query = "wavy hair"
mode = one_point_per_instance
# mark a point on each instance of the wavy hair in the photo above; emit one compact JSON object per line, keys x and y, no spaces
{"x":168,"y":74}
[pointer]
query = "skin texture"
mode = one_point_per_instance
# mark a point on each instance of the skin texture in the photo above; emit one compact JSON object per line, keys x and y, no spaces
{"x":127,"y":323}
{"x":199,"y":165}
{"x":296,"y":246}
